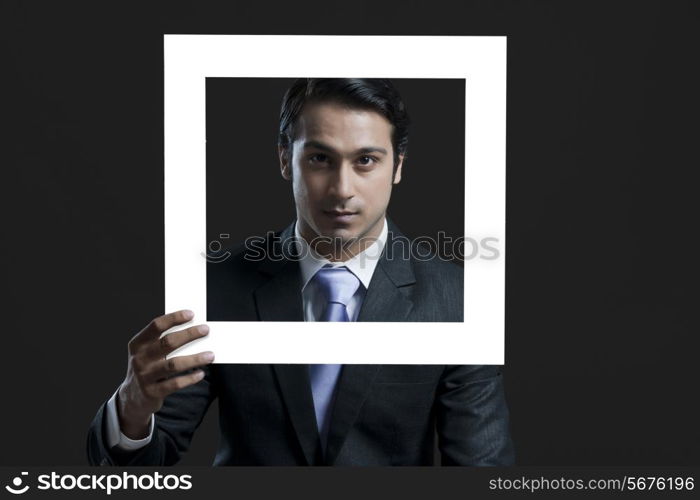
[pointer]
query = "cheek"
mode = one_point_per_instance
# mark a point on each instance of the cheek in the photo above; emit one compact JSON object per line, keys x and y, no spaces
{"x":378,"y":192}
{"x":306,"y":188}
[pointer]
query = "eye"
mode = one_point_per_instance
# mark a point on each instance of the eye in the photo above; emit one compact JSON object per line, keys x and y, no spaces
{"x":366,"y":160}
{"x":318,"y":158}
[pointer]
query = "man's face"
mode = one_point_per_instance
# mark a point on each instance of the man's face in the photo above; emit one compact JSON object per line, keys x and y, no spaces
{"x":341,"y":171}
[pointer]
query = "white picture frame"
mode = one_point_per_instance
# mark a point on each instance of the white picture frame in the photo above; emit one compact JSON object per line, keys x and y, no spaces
{"x":481,"y":61}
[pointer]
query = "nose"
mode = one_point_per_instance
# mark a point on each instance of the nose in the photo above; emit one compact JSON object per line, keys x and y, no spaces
{"x":342,"y":182}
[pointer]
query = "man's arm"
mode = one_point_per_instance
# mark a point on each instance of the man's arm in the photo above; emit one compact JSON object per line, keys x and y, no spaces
{"x":472,"y":417}
{"x":177,"y":390}
{"x":174,"y":425}
{"x":114,"y":434}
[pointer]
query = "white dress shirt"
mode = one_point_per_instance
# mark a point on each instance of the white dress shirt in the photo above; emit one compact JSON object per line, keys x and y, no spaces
{"x":361,"y":265}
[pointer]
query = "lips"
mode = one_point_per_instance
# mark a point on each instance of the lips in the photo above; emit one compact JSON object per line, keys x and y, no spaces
{"x":340,"y":215}
{"x":339,"y":212}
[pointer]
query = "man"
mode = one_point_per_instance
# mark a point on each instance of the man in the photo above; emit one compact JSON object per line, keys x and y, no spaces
{"x":342,"y":145}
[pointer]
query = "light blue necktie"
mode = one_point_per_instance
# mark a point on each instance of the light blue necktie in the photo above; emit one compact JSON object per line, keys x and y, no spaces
{"x":338,"y":285}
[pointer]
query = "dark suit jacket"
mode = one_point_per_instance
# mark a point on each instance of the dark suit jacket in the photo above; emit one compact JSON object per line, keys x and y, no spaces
{"x":382,"y":415}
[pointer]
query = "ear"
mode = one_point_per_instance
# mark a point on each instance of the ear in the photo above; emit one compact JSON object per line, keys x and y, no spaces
{"x":397,"y":175}
{"x":285,"y":166}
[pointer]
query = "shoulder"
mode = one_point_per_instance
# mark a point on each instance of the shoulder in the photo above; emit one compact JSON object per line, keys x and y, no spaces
{"x":235,"y":273}
{"x":431,"y":268}
{"x":440,"y":282}
{"x":436,"y":285}
{"x":245,"y":265}
{"x":423,"y":257}
{"x":438,"y":292}
{"x":440,"y":270}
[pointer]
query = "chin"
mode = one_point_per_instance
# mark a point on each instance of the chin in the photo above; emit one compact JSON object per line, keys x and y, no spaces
{"x":339,"y":232}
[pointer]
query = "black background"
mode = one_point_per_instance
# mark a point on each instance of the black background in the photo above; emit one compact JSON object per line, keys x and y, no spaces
{"x":602,"y":335}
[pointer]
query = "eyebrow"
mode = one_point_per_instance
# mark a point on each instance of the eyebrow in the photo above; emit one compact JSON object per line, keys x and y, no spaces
{"x":325,"y":147}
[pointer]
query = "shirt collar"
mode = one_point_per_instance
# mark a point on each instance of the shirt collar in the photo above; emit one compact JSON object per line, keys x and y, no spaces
{"x":361,"y":265}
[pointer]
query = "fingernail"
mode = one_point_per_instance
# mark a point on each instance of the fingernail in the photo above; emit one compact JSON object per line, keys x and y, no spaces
{"x":203,"y":329}
{"x":188,"y":314}
{"x":208,"y":356}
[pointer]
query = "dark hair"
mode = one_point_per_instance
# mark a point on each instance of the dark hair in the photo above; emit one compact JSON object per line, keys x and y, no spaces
{"x":374,"y":94}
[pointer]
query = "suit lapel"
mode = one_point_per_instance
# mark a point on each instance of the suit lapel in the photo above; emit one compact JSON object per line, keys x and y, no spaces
{"x":385,"y":300}
{"x":353,"y":387}
{"x":296,"y":393}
